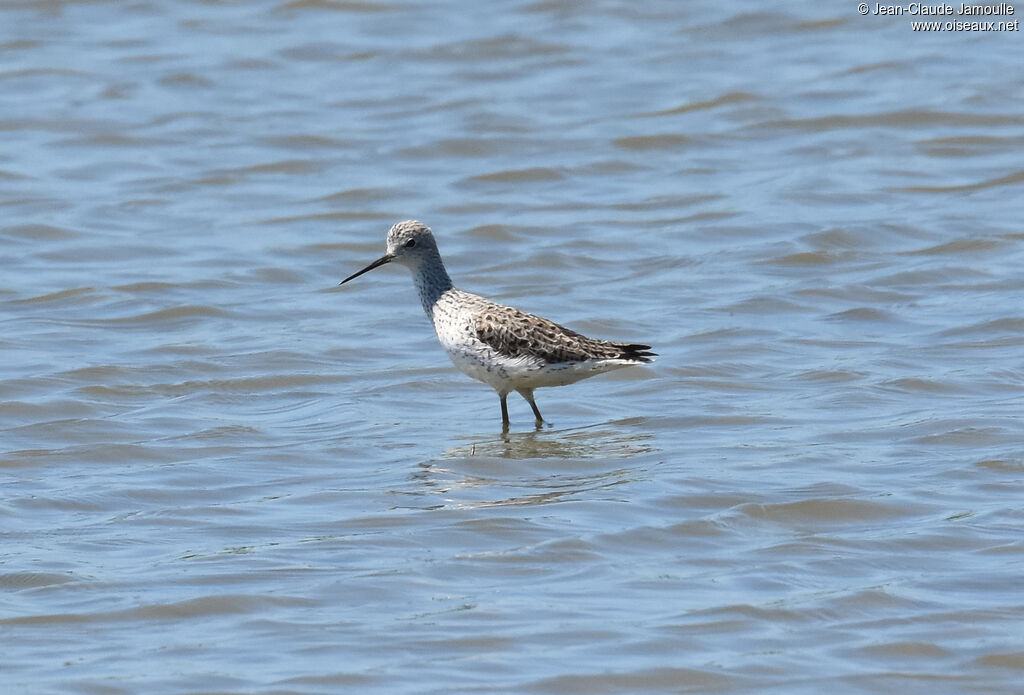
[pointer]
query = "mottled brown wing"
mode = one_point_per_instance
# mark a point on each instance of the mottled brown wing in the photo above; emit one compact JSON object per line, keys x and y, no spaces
{"x":515,"y":333}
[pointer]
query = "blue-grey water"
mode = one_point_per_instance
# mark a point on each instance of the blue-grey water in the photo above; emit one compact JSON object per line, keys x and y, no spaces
{"x":221,"y":473}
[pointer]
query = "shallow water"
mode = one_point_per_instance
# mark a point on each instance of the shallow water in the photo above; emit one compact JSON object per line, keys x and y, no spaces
{"x":223,"y":473}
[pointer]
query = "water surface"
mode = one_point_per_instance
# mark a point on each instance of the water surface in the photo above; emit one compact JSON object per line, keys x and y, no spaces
{"x":223,"y":473}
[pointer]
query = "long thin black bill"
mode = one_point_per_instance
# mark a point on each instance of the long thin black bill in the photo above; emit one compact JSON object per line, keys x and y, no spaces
{"x":376,"y":264}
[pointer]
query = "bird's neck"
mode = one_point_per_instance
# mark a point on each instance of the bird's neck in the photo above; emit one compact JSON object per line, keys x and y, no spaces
{"x":431,"y":281}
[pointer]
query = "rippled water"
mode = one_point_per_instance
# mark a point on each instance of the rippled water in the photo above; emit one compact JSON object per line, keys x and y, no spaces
{"x":223,"y":473}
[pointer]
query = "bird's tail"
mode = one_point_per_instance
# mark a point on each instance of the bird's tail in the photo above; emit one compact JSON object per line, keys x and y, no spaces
{"x":636,"y":352}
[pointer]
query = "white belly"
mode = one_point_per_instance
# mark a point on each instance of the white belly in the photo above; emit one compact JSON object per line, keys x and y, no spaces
{"x":506,"y":374}
{"x":476,"y":359}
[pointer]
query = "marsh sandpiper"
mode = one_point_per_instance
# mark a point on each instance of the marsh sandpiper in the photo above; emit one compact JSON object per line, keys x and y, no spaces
{"x":506,"y":348}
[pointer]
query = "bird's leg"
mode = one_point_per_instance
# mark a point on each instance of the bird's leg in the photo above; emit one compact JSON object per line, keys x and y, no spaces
{"x":528,"y":395}
{"x":536,"y":413}
{"x":504,"y":412}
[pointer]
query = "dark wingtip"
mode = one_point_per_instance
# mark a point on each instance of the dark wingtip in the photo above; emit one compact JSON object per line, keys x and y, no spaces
{"x":640,"y":353}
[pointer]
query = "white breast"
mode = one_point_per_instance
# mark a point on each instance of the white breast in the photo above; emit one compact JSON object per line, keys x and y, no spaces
{"x":453,"y":323}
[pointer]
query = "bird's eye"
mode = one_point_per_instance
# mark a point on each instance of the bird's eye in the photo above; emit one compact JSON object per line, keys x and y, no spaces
{"x":409,"y":244}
